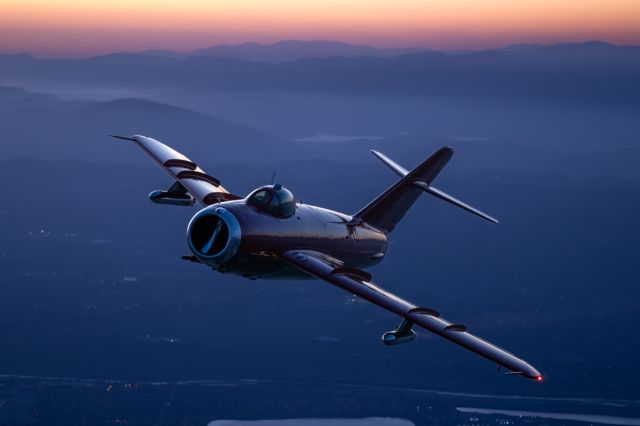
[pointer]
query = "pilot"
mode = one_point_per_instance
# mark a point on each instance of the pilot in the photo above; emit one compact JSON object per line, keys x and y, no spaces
{"x":274,"y":200}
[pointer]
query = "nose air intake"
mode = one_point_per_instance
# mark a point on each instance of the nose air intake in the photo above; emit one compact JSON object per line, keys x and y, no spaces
{"x":214,"y":235}
{"x":210,"y":235}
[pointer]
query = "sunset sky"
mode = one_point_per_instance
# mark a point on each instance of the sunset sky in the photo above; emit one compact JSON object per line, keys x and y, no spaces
{"x":80,"y":28}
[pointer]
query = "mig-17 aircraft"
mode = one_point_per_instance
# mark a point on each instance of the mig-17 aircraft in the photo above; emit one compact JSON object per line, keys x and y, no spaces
{"x":268,"y":235}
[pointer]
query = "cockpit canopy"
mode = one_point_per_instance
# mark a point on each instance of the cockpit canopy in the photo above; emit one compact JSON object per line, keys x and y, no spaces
{"x":275,"y":200}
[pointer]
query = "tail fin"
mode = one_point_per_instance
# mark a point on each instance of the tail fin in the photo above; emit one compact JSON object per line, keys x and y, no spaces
{"x":390,"y":207}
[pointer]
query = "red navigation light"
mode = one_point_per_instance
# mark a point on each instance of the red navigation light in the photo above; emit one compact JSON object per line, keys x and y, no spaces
{"x":539,"y":378}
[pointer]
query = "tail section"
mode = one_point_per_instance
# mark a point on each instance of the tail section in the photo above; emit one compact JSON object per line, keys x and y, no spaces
{"x":390,"y":207}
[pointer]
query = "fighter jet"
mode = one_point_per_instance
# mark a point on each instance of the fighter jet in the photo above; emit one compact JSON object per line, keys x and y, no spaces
{"x":269,"y":235}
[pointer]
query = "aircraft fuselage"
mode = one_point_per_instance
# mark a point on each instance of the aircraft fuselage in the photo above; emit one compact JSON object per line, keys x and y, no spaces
{"x":253,"y":239}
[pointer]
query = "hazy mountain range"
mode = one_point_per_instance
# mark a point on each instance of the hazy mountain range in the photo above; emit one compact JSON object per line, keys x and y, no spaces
{"x":586,"y":72}
{"x":56,"y":129}
{"x":288,"y":50}
{"x":43,"y":126}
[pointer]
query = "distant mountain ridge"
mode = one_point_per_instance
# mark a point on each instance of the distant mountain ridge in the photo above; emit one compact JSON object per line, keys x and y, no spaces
{"x":592,"y":70}
{"x":79,"y":131}
{"x":291,"y":50}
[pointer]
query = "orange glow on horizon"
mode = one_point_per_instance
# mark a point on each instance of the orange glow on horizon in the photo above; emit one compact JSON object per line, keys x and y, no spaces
{"x":72,"y":28}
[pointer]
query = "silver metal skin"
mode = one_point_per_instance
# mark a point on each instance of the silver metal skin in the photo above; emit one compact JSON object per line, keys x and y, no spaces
{"x":261,"y":239}
{"x":267,"y":235}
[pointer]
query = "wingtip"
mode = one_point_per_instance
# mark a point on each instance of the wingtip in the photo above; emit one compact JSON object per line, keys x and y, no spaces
{"x":125,"y":138}
{"x":380,"y":156}
{"x":446,"y":148}
{"x":487,"y":217}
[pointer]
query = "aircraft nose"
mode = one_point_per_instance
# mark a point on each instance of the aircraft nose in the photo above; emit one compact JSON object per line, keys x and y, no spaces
{"x":214,"y":235}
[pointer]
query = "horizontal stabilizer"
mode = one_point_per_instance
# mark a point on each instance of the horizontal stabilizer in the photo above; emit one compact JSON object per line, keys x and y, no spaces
{"x":124,"y":138}
{"x":426,"y":187}
{"x":397,"y":168}
{"x":448,"y":198}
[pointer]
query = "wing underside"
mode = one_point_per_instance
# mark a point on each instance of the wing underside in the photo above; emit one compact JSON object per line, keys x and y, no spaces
{"x":204,"y":188}
{"x":318,"y":265}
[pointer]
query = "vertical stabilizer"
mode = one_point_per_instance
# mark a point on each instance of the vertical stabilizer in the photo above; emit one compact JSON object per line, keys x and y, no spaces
{"x":390,"y":207}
